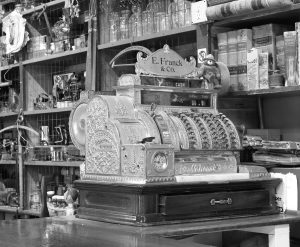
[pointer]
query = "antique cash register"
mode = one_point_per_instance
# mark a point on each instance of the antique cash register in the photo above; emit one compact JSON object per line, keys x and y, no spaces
{"x":159,"y":152}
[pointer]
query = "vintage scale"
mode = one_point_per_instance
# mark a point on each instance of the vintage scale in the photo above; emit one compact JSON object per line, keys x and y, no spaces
{"x":159,"y":154}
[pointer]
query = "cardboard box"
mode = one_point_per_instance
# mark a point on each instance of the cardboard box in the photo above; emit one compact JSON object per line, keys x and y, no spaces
{"x":280,"y":57}
{"x":244,"y":43}
{"x":252,"y":69}
{"x":263,"y":70}
{"x":265,"y":134}
{"x":232,"y":61}
{"x":290,"y":50}
{"x":222,"y":48}
{"x":264,"y":37}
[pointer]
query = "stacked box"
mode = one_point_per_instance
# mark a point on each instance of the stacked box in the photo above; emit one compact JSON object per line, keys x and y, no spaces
{"x":263,"y":70}
{"x":252,"y":69}
{"x":244,"y":43}
{"x":232,"y":61}
{"x":264,"y":38}
{"x":222,"y":48}
{"x":280,"y":57}
{"x":290,"y":50}
{"x":297,"y":28}
{"x":37,"y":46}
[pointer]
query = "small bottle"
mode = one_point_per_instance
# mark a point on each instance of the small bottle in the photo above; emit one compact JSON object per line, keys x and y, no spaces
{"x":36,"y":198}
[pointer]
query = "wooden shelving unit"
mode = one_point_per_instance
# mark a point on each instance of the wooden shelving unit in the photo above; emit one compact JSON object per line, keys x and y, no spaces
{"x":54,"y":163}
{"x":280,"y":91}
{"x":54,"y":56}
{"x":30,"y":212}
{"x":287,"y":12}
{"x":37,"y":77}
{"x":7,"y":2}
{"x":8,"y":209}
{"x":7,"y":162}
{"x":45,"y":5}
{"x":48,"y":111}
{"x":147,"y":37}
{"x":10,"y":66}
{"x":7,"y":114}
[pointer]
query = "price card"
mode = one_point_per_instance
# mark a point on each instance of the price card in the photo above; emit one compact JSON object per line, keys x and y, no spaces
{"x":199,"y":11}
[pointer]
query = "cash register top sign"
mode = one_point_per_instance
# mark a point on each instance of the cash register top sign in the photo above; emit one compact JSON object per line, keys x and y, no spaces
{"x":165,"y":62}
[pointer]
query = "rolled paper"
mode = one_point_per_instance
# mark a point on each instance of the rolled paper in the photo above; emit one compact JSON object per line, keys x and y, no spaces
{"x":242,"y":6}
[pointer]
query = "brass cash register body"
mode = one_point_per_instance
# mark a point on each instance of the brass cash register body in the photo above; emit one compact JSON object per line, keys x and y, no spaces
{"x":159,"y":154}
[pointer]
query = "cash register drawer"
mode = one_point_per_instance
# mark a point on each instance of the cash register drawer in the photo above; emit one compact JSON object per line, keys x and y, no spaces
{"x":207,"y":203}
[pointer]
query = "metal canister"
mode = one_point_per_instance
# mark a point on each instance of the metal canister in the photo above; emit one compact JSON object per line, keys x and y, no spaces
{"x":44,"y":135}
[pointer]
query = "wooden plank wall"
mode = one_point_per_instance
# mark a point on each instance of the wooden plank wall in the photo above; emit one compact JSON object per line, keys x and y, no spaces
{"x":283,"y":113}
{"x":240,"y":111}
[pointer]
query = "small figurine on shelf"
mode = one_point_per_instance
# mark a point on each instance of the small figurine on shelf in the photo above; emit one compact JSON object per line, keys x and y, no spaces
{"x":70,"y":196}
{"x":209,"y":72}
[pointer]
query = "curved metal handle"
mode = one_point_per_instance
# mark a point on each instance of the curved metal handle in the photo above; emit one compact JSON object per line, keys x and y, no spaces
{"x":228,"y":201}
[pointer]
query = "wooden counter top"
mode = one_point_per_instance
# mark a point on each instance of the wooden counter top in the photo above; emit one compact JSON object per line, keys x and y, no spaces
{"x":71,"y":232}
{"x":74,"y":232}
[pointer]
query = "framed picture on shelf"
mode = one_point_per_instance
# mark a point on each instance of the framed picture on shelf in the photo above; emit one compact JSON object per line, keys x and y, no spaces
{"x":61,"y":86}
{"x":61,"y":80}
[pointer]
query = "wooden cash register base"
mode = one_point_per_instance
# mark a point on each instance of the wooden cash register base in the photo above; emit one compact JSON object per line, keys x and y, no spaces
{"x":74,"y":232}
{"x":171,"y":203}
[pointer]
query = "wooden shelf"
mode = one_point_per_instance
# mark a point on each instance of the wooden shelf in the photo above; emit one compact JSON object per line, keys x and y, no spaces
{"x":30,"y":212}
{"x":55,"y":56}
{"x":147,"y":37}
{"x":8,"y":114}
{"x":40,"y":7}
{"x":7,"y":2}
{"x":8,"y":209}
{"x":48,"y":111}
{"x":7,"y":162}
{"x":288,"y":13}
{"x":10,"y":66}
{"x":54,"y":163}
{"x":169,"y":89}
{"x":284,"y":91}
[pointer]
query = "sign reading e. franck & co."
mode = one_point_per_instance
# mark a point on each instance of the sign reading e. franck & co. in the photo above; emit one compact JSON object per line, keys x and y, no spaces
{"x":164,"y":62}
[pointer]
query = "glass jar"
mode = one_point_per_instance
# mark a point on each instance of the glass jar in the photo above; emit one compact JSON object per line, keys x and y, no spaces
{"x":36,"y":198}
{"x":147,"y":21}
{"x":173,"y":15}
{"x":181,"y":12}
{"x":124,"y":24}
{"x":161,"y":21}
{"x":105,"y":10}
{"x":135,"y":22}
{"x":113,"y":26}
{"x":187,"y":13}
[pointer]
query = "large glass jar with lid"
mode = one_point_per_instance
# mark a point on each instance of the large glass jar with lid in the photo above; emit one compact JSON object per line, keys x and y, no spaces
{"x":114,"y":26}
{"x":161,"y":22}
{"x":180,"y":13}
{"x":147,"y":21}
{"x":124,"y":24}
{"x":135,"y":21}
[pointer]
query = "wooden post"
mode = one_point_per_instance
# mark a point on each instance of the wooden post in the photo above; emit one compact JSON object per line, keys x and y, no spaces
{"x":21,"y":178}
{"x":203,"y":37}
